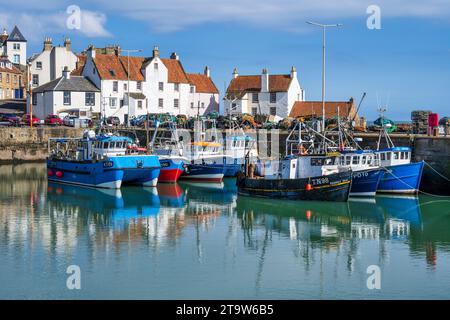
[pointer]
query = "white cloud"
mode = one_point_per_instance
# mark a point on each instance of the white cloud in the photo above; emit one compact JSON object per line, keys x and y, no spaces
{"x":35,"y":26}
{"x":171,"y":15}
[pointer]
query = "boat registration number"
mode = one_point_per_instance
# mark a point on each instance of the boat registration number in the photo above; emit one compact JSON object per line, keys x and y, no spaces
{"x":108,"y":164}
{"x":319,"y":181}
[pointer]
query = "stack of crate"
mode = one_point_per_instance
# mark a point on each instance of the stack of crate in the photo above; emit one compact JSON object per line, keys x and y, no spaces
{"x":420,"y":121}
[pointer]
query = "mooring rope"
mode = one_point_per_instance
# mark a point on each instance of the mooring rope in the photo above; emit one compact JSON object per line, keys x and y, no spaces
{"x":419,"y":191}
{"x":440,"y":174}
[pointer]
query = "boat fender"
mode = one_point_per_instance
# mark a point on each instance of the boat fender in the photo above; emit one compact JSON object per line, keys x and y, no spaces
{"x":50,"y":173}
{"x":308,"y":187}
{"x":59,"y":174}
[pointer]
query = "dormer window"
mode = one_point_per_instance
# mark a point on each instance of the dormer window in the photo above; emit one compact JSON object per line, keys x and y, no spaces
{"x":112,"y":73}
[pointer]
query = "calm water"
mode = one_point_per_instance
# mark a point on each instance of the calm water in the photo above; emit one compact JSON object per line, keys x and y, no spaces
{"x":194,"y":241}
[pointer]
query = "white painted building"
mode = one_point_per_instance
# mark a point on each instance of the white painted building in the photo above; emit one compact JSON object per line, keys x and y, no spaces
{"x":50,"y":63}
{"x":14,"y":46}
{"x":154,"y":84}
{"x":263,"y":94}
{"x":67,"y":94}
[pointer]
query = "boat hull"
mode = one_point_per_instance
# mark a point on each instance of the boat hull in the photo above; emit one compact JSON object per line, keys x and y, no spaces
{"x":110,"y":173}
{"x":204,"y":172}
{"x":365,"y":182}
{"x":171,"y":170}
{"x":333,"y":187}
{"x":401,"y":179}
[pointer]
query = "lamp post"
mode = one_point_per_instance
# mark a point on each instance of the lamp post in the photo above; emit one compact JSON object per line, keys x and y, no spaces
{"x":128,"y":51}
{"x":324,"y":28}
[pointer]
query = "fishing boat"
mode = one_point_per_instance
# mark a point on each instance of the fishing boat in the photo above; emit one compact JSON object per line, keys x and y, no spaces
{"x":101,"y":161}
{"x":401,"y":175}
{"x":294,"y":181}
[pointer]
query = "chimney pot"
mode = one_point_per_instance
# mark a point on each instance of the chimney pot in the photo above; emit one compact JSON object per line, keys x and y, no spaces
{"x":235,"y":73}
{"x":155,"y":52}
{"x":206,"y":72}
{"x":66,"y":73}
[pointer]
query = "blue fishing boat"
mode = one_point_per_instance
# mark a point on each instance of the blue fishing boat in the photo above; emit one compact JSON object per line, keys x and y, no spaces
{"x":100,"y":161}
{"x":400,"y":174}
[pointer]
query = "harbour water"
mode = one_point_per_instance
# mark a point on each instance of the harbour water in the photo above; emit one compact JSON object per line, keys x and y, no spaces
{"x":194,"y":241}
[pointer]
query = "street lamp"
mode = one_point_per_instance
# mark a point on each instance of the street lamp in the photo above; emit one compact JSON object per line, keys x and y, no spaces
{"x":324,"y":27}
{"x":128,"y":51}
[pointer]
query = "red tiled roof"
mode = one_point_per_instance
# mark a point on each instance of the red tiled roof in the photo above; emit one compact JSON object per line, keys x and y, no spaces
{"x":175,"y":70}
{"x":135,"y":67}
{"x":109,"y":67}
{"x":202,"y":83}
{"x":80,"y":65}
{"x":314,"y":109}
{"x":277,"y":83}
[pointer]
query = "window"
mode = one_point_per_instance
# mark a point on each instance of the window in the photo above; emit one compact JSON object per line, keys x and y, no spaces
{"x":121,"y":103}
{"x":273,"y":97}
{"x":192,"y":89}
{"x":139,"y":104}
{"x":34,"y":99}
{"x":176,"y":103}
{"x":254,"y":111}
{"x":16,"y":58}
{"x":89,"y":98}
{"x":160,"y":102}
{"x":402,"y":155}
{"x":192,"y":105}
{"x":255,"y":98}
{"x":364,"y":158}
{"x":203,"y":105}
{"x":16,"y":46}
{"x":355,"y":160}
{"x":383,"y":156}
{"x":66,"y":97}
{"x":115,"y":86}
{"x":39,"y":65}
{"x":1,"y":77}
{"x":161,"y":86}
{"x":233,"y":106}
{"x":124,"y":87}
{"x":113,"y":103}
{"x":396,"y":156}
{"x":176,"y":87}
{"x":155,"y":66}
{"x":112,"y":73}
{"x":388,"y":156}
{"x":407,"y":155}
{"x":7,"y":78}
{"x":273,"y":111}
{"x":139,"y":85}
{"x":15,"y":79}
{"x":348,"y":160}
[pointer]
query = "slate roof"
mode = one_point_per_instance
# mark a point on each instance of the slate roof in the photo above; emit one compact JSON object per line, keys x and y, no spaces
{"x":16,"y":35}
{"x":75,"y":83}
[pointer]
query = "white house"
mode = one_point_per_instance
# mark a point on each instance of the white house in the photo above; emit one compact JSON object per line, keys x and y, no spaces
{"x":67,"y":94}
{"x":263,"y":94}
{"x":50,"y":63}
{"x":14,"y":46}
{"x":136,"y":85}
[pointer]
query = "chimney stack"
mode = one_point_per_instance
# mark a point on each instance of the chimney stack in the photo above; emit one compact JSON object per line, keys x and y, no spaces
{"x":91,"y":51}
{"x":155,"y":52}
{"x":235,"y":73}
{"x":174,"y":56}
{"x":206,"y":71}
{"x":265,"y":80}
{"x":66,"y":73}
{"x":67,"y":44}
{"x":293,"y":72}
{"x":47,"y":44}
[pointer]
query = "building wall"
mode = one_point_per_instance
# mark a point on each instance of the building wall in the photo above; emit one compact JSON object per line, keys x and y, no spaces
{"x":52,"y":102}
{"x":22,"y":52}
{"x":53,"y":63}
{"x":203,"y":103}
{"x":7,"y":89}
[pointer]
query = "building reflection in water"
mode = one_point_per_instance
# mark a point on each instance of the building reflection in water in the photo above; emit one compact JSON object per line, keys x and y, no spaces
{"x":34,"y":214}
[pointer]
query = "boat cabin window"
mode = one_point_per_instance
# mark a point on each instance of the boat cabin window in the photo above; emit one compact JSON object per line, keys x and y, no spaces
{"x":396,"y":155}
{"x":388,"y":156}
{"x":364,"y":160}
{"x":402,"y":155}
{"x":369,"y":160}
{"x":382,"y":156}
{"x":355,"y":160}
{"x":406,"y":155}
{"x":348,"y":160}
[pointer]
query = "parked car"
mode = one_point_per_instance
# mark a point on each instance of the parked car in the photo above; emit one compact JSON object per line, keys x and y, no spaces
{"x":70,"y":121}
{"x":115,"y":121}
{"x":26,"y":119}
{"x":10,"y":119}
{"x":138,"y":121}
{"x":53,"y":119}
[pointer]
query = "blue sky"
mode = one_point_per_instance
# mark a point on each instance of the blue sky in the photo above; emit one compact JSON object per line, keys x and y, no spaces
{"x":405,"y":64}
